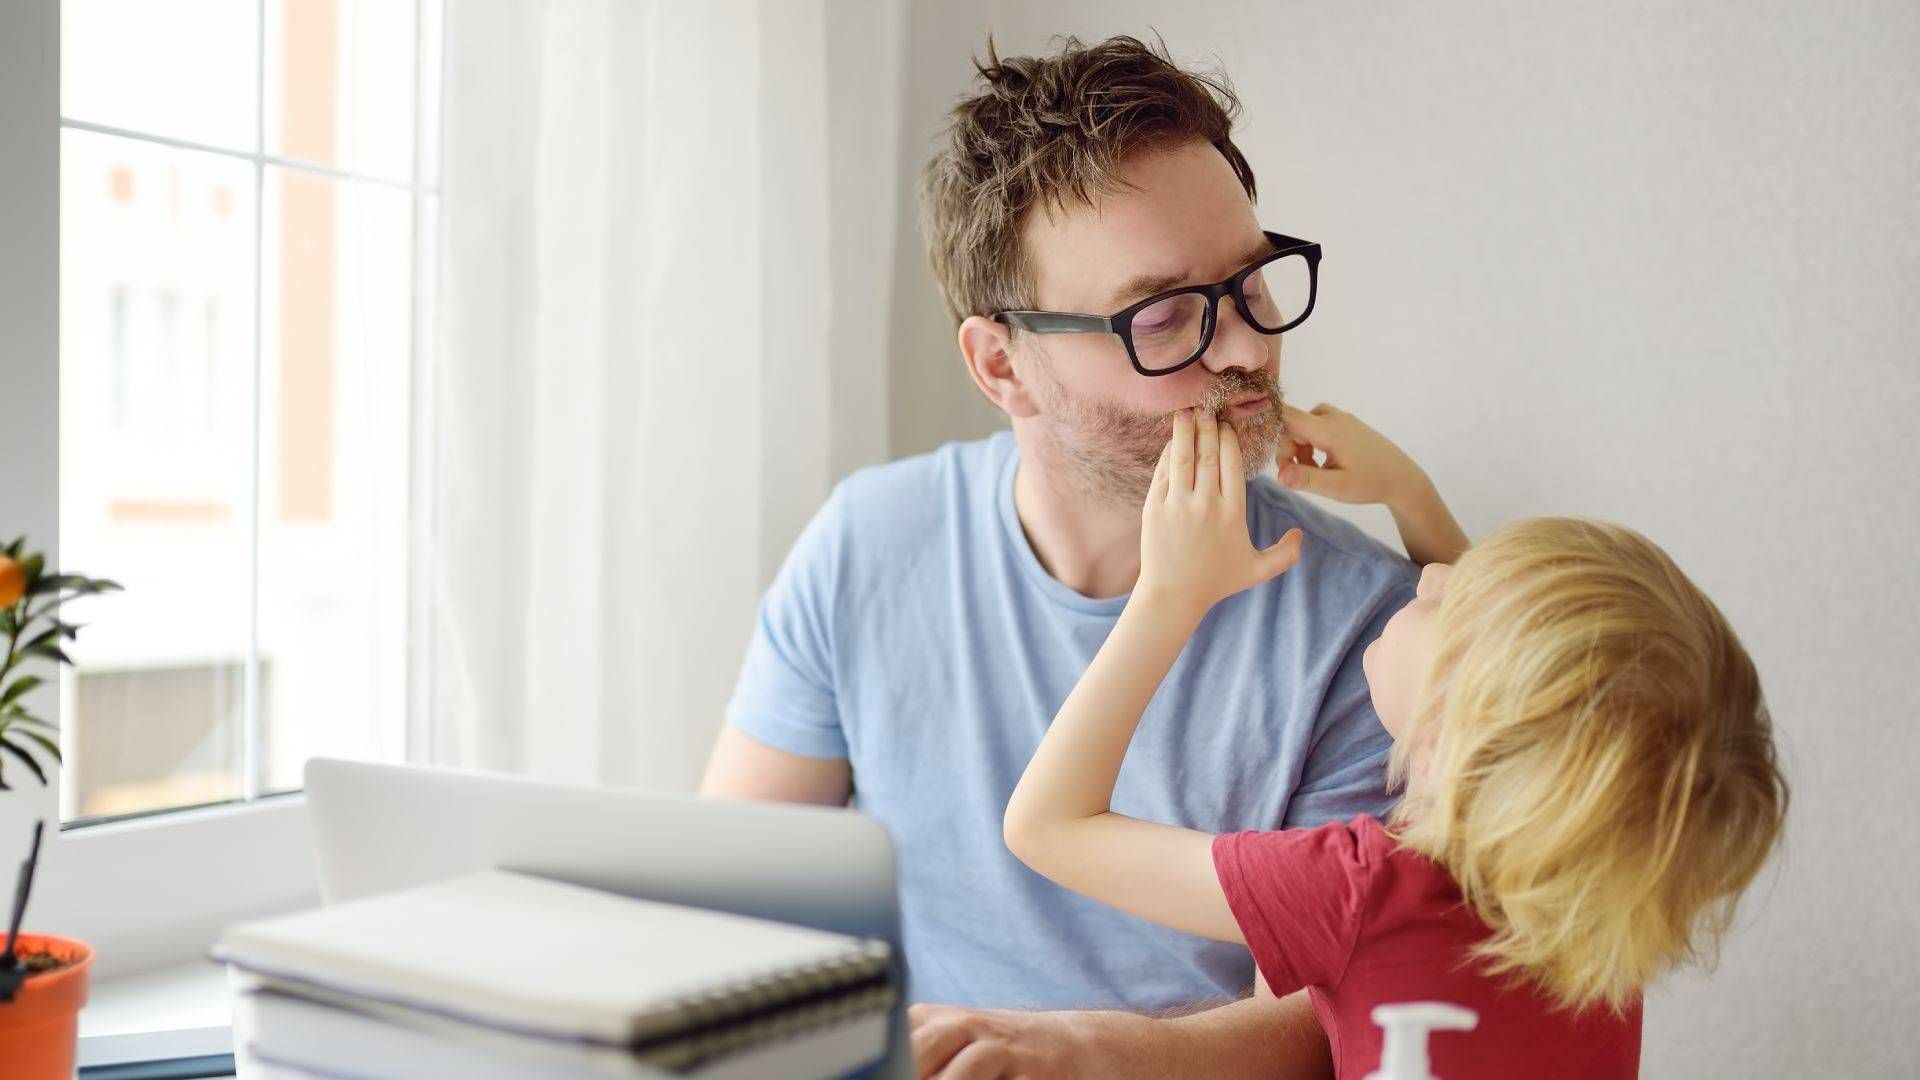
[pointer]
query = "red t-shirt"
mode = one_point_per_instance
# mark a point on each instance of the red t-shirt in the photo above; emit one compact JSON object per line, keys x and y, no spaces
{"x":1359,"y":922}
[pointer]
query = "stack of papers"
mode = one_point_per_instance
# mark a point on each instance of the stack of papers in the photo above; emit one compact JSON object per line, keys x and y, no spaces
{"x":506,"y":975}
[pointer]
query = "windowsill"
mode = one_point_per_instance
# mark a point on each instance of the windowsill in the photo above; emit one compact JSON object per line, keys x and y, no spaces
{"x":151,"y":894}
{"x":158,"y":1023}
{"x":181,"y":997}
{"x":108,"y":824}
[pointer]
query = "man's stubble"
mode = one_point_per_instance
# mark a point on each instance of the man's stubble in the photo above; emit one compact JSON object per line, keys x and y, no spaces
{"x":1109,"y":451}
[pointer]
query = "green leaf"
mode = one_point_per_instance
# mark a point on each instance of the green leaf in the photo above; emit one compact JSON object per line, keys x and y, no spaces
{"x":20,"y":686}
{"x":67,"y":630}
{"x":32,"y":765}
{"x":30,"y":568}
{"x":56,"y":582}
{"x":17,"y":715}
{"x":7,"y":625}
{"x":13,"y":549}
{"x":47,"y":607}
{"x":51,"y":748}
{"x":44,"y":610}
{"x":84,"y":586}
{"x":50,"y":651}
{"x":42,"y":636}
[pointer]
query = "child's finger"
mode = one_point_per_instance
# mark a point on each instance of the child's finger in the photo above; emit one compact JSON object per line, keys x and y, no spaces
{"x":1333,"y":483}
{"x":1233,"y":466}
{"x":1206,"y":464}
{"x":1180,"y":466}
{"x":1283,"y":555}
{"x":1305,"y":427}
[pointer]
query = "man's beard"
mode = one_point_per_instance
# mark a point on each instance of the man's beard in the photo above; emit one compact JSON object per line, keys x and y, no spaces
{"x":1109,"y":451}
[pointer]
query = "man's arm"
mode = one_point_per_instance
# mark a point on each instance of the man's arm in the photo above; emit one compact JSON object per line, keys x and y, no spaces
{"x":743,"y":767}
{"x":1255,"y":1038}
{"x":782,"y":740}
{"x":1260,"y":1036}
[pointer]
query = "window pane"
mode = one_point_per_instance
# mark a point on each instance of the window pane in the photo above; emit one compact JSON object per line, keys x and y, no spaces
{"x":156,"y":329}
{"x":180,"y":68}
{"x":340,"y":84}
{"x":335,"y":393}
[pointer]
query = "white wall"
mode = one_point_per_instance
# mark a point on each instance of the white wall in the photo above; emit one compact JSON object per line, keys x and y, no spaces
{"x":1656,"y":263}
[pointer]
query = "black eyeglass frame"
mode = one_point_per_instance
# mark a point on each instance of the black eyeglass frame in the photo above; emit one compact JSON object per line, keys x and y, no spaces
{"x":1120,"y":323}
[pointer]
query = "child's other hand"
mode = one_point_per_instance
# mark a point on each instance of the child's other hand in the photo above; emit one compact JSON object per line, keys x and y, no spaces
{"x":1194,"y":546}
{"x":1361,"y":465}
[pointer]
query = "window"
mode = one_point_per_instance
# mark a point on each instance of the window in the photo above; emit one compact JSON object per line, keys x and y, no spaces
{"x":246,"y":194}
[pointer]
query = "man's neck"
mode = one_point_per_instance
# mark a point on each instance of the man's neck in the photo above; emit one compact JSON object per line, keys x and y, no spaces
{"x":1087,"y":542}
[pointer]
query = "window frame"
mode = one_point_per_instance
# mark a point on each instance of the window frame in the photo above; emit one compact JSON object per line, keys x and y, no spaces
{"x":193,"y":870}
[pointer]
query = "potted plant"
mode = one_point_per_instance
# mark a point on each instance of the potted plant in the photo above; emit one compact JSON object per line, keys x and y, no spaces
{"x":43,"y":979}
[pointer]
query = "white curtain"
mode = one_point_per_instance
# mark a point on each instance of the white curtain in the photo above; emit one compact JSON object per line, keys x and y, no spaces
{"x":644,"y":381}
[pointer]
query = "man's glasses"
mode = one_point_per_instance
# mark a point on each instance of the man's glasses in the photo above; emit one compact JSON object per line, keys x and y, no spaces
{"x":1168,"y":331}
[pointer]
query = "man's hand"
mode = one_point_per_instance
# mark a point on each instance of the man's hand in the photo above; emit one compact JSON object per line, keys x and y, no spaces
{"x":1255,"y":1038}
{"x":1194,"y":546}
{"x":952,"y":1043}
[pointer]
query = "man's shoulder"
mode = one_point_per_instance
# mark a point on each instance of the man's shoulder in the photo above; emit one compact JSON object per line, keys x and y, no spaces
{"x":883,"y":521}
{"x":1347,"y":557}
{"x":925,"y":486}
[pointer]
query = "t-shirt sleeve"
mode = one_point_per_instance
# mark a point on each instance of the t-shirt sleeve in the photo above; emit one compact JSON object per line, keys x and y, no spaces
{"x":1345,"y":774}
{"x":1297,"y":895}
{"x":785,"y":697}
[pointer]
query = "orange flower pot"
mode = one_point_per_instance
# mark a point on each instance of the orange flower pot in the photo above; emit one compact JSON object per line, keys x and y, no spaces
{"x":38,"y":1028}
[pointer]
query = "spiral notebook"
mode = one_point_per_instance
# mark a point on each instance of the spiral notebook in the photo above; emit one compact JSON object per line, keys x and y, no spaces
{"x":525,"y":956}
{"x":301,"y":1033}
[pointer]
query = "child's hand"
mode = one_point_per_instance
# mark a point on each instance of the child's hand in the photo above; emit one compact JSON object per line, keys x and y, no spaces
{"x":1194,"y":547}
{"x":1363,"y":466}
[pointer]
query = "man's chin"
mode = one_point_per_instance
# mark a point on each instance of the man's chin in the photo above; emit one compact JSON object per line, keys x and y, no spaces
{"x":1259,"y":438}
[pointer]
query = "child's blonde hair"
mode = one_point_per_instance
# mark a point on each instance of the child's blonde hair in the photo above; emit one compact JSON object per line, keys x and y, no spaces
{"x":1602,"y":780}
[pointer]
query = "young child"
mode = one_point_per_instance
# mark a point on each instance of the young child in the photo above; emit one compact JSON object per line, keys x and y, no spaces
{"x":1589,"y":770}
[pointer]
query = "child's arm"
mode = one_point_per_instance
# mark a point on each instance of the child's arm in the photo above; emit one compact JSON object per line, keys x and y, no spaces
{"x":1364,"y":466}
{"x":1194,"y":551}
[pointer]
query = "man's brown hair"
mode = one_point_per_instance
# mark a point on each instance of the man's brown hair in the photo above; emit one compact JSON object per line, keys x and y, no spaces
{"x":1044,"y":131}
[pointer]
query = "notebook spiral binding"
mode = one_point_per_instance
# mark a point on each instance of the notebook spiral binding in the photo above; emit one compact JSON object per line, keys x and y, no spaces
{"x":771,"y":1006}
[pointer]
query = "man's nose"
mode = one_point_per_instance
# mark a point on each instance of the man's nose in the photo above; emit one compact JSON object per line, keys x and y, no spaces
{"x":1234,"y":344}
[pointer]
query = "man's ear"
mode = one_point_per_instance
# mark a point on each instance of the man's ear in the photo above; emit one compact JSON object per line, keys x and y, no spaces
{"x":987,"y":347}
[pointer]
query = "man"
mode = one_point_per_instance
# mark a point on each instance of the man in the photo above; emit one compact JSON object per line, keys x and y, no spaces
{"x":936,"y":612}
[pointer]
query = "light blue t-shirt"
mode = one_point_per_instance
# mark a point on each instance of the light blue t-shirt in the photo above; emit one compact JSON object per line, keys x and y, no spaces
{"x":913,"y":631}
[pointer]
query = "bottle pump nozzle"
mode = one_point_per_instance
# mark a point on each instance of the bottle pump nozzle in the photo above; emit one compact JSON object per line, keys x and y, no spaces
{"x":1403,"y":1054}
